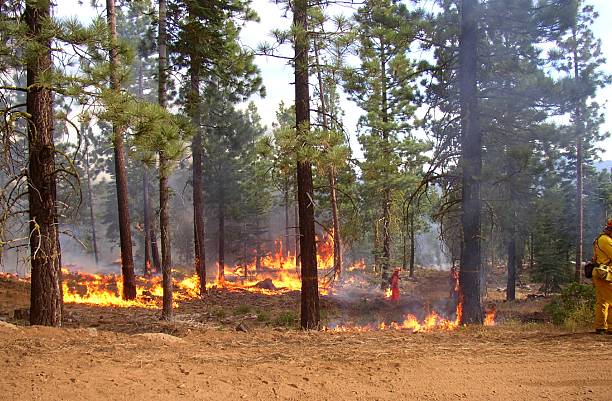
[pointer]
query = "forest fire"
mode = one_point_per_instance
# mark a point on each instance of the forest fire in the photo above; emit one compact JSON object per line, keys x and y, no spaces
{"x":105,"y":290}
{"x":432,"y":322}
{"x":273,"y":274}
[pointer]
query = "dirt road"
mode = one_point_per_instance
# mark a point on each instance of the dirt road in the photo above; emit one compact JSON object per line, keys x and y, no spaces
{"x":499,"y":363}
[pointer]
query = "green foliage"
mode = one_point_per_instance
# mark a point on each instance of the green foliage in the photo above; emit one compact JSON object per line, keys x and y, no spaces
{"x":262,"y":316}
{"x":574,"y":307}
{"x":242,"y":310}
{"x":551,"y":244}
{"x":156,"y":130}
{"x":286,"y":319}
{"x":385,"y":86}
{"x":219,"y":313}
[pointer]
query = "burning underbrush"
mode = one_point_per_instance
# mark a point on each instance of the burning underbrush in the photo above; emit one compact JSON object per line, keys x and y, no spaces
{"x":354,"y":304}
{"x":272,"y":273}
{"x":267,"y":292}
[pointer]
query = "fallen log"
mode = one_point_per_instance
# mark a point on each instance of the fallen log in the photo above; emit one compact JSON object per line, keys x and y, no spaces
{"x":266,"y":284}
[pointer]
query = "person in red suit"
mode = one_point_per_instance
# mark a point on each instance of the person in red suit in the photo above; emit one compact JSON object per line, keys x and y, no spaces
{"x":395,"y":292}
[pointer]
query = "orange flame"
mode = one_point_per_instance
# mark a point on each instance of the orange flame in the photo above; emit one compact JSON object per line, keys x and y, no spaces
{"x":490,"y":316}
{"x":432,"y":322}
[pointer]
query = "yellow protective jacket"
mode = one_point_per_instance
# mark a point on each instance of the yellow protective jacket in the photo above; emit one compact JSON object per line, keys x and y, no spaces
{"x":602,"y":251}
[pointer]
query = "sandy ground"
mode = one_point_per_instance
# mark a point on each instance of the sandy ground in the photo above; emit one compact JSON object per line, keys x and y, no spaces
{"x":41,"y":363}
{"x":127,"y":354}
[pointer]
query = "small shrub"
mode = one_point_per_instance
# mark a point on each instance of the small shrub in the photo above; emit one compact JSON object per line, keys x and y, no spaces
{"x":582,"y":316}
{"x":263,"y":316}
{"x":574,"y":307}
{"x":218,"y":313}
{"x":242,"y":310}
{"x":285,"y":318}
{"x":323,"y":315}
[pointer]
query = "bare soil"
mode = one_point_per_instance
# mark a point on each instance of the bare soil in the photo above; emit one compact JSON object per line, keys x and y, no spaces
{"x":128,"y":354}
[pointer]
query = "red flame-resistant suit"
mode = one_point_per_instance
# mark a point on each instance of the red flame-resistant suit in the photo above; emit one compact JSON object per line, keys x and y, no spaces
{"x":602,"y":279}
{"x":395,"y":292}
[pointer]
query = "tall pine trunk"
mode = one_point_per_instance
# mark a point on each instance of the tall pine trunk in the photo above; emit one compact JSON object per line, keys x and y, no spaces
{"x":296,"y":236}
{"x":147,"y":222}
{"x":125,"y":234}
{"x":287,"y":229}
{"x":221,"y":239}
{"x":164,"y":171}
{"x":197,"y":176}
{"x":154,"y":248}
{"x":147,"y":268}
{"x":513,"y":240}
{"x":257,"y":248}
{"x":579,"y":168}
{"x":331,"y":176}
{"x":309,"y":315}
{"x":164,"y":224}
{"x":46,"y":280}
{"x":512,"y":261}
{"x":336,"y":224}
{"x":404,"y":232}
{"x":412,"y":244}
{"x":471,"y":163}
{"x":92,"y":215}
{"x":376,"y":247}
{"x":386,"y":207}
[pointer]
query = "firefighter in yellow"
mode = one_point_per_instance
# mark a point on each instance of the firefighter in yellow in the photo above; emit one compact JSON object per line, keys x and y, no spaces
{"x":602,"y":280}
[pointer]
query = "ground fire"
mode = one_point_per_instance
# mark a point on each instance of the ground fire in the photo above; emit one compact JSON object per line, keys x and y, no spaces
{"x":277,"y":274}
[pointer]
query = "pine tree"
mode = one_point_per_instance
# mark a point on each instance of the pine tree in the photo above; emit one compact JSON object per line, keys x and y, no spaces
{"x":164,"y":166}
{"x":207,"y":45}
{"x":127,"y":260}
{"x":471,"y":163}
{"x":309,"y":315}
{"x":579,"y":56}
{"x":384,"y":86}
{"x":46,"y":292}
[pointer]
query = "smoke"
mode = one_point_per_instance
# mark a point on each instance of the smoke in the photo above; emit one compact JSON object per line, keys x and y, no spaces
{"x":76,"y":257}
{"x":362,"y":303}
{"x":430,"y":251}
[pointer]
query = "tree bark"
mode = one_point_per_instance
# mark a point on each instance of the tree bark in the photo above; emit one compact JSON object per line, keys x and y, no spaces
{"x":296,"y":223}
{"x":309,"y":316}
{"x":287,"y":229}
{"x":376,"y":247}
{"x":404,"y":232}
{"x":331,"y":177}
{"x":579,"y":168}
{"x":511,"y":285}
{"x":531,"y":256}
{"x":520,"y":257}
{"x":46,"y":298}
{"x":147,"y":268}
{"x":386,"y":235}
{"x":471,"y":149}
{"x":154,"y":247}
{"x":164,"y":224}
{"x":92,"y":216}
{"x":412,"y":244}
{"x":197,"y":176}
{"x":221,"y":239}
{"x":245,"y":233}
{"x":147,"y":222}
{"x":125,"y":234}
{"x":336,"y":224}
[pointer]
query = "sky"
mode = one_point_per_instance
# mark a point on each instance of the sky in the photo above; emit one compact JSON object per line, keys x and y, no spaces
{"x":278,"y":76}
